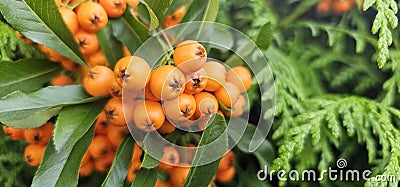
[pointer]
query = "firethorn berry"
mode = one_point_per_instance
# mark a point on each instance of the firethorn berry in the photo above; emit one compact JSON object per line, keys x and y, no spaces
{"x":69,"y":65}
{"x":178,"y":174}
{"x":227,"y":161}
{"x":114,"y":112}
{"x":239,"y":76}
{"x":180,"y":108}
{"x":228,"y":94}
{"x":86,"y":169}
{"x":14,"y":133}
{"x":70,"y":19}
{"x":148,"y":94}
{"x":101,"y":124}
{"x":342,"y":6}
{"x":61,"y":80}
{"x":196,"y":82}
{"x":166,"y":128}
{"x":216,"y":75}
{"x":33,"y":154}
{"x":116,"y":134}
{"x":100,"y":147}
{"x":39,"y":135}
{"x":86,"y":158}
{"x":116,"y":89}
{"x":324,"y":6}
{"x":169,"y":159}
{"x":51,"y":54}
{"x":167,"y":82}
{"x":114,"y":8}
{"x":132,"y":72}
{"x":97,"y":59}
{"x":190,"y":56}
{"x":87,"y":41}
{"x":206,"y":104}
{"x":103,"y":164}
{"x":175,"y":18}
{"x":92,"y":16}
{"x":238,"y":107}
{"x":98,"y":81}
{"x":148,"y":115}
{"x":224,"y":176}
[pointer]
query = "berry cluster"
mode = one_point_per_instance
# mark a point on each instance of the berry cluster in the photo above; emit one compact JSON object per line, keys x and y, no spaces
{"x":37,"y":139}
{"x":326,"y":7}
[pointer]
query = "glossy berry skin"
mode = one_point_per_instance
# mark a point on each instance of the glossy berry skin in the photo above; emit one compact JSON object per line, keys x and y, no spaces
{"x":190,"y":56}
{"x":91,"y":16}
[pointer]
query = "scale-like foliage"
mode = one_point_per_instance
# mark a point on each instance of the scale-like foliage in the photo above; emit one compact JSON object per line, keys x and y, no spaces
{"x":330,"y":121}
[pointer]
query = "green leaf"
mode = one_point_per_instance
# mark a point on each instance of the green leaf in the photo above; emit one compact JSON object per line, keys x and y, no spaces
{"x":264,"y":37}
{"x":148,"y":15}
{"x":145,"y":178}
{"x":158,"y":7}
{"x":18,"y":105}
{"x":117,"y":174}
{"x":201,"y":10}
{"x":151,"y":148}
{"x":129,"y":31}
{"x":74,"y":121}
{"x":41,"y":22}
{"x":202,"y":175}
{"x":34,"y":120}
{"x":110,"y":46}
{"x":26,"y":75}
{"x":61,"y":168}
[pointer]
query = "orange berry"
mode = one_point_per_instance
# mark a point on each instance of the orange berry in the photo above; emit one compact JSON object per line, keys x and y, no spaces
{"x":87,"y":41}
{"x":86,"y":169}
{"x":116,"y":134}
{"x":97,"y":59}
{"x":148,"y":115}
{"x":39,"y":135}
{"x":227,"y":161}
{"x":114,"y":8}
{"x":166,"y":128}
{"x":228,"y":94}
{"x":190,"y":56}
{"x":175,"y":18}
{"x":224,"y":176}
{"x":98,"y":81}
{"x":14,"y":133}
{"x":104,"y":164}
{"x":62,"y":80}
{"x":33,"y":154}
{"x":167,"y":82}
{"x":70,"y":19}
{"x":114,"y":112}
{"x":169,"y":159}
{"x":239,"y":76}
{"x":101,"y":124}
{"x":100,"y":147}
{"x":216,"y":75}
{"x":92,"y":16}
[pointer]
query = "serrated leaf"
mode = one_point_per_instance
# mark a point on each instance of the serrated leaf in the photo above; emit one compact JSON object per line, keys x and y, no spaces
{"x":264,"y":37}
{"x":147,"y":13}
{"x":110,"y":46}
{"x":158,"y":7}
{"x":41,"y":22}
{"x":26,"y":75}
{"x":201,"y":10}
{"x":35,"y":120}
{"x":199,"y":174}
{"x":61,"y":168}
{"x":145,"y":178}
{"x":18,"y":105}
{"x":74,"y":121}
{"x":129,"y":31}
{"x":117,"y":174}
